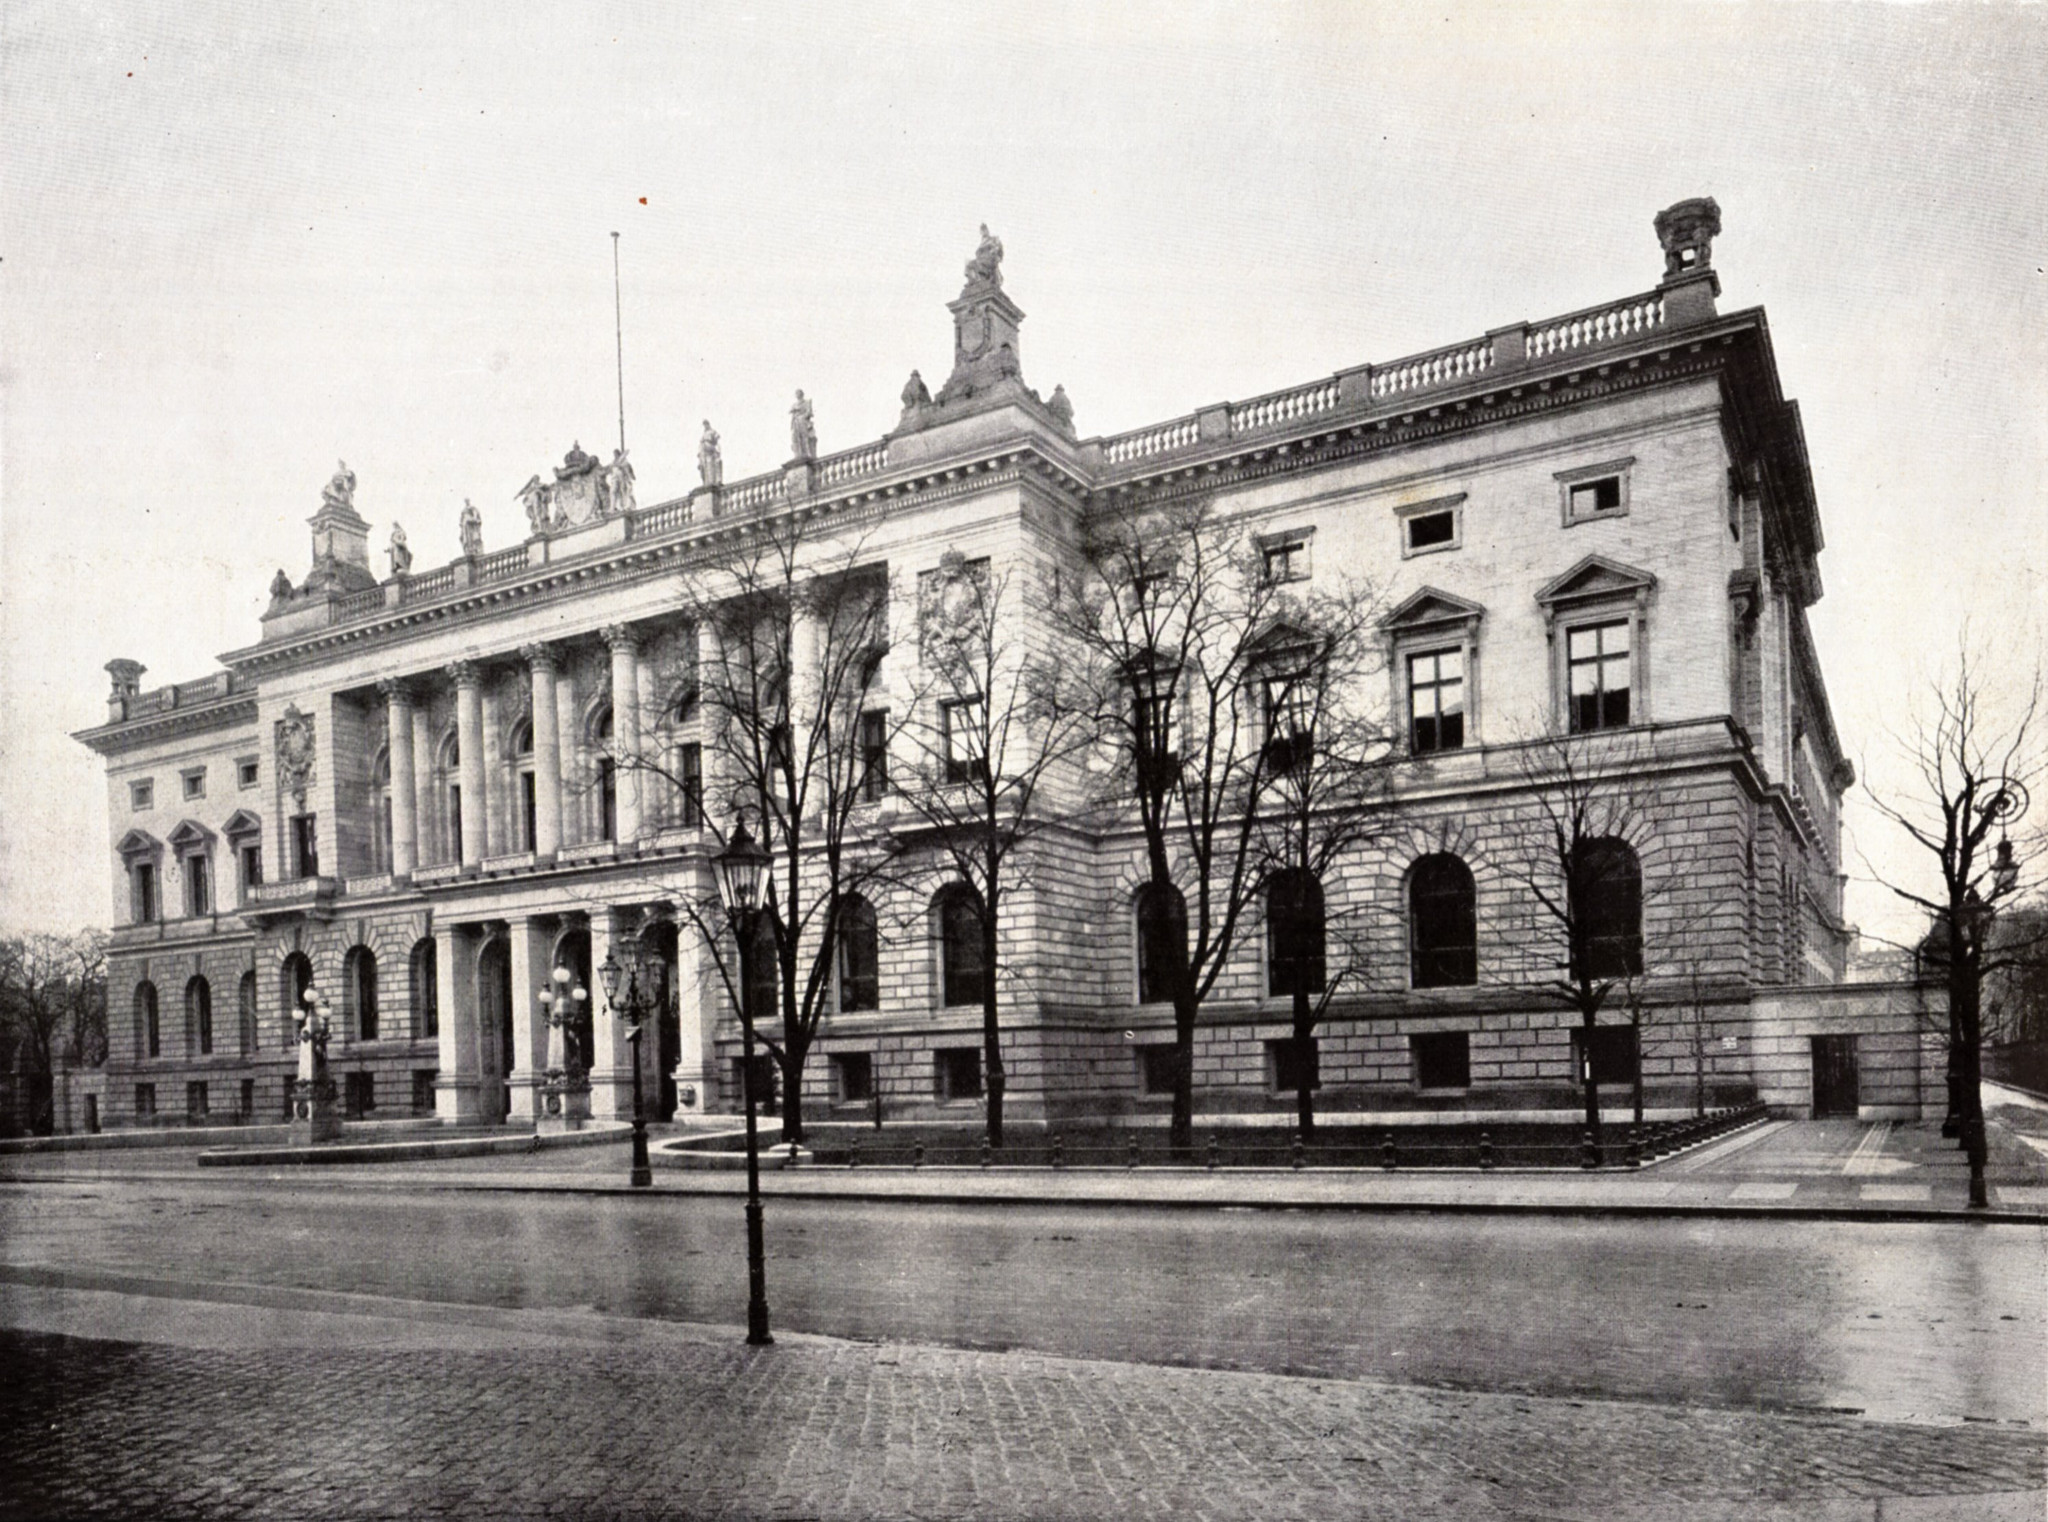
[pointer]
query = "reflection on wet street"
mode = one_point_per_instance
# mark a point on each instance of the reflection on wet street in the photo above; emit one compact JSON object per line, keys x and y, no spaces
{"x":1905,"y":1321}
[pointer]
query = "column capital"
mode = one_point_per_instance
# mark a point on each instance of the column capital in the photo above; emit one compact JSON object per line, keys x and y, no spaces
{"x":538,"y":654}
{"x":621,"y":636}
{"x":397,"y":691}
{"x":465,"y":673}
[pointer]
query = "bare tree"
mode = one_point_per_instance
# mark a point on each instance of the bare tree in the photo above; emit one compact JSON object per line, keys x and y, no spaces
{"x":53,"y":1008}
{"x":993,"y":721}
{"x":786,"y":685}
{"x":1577,"y":853}
{"x":1974,"y":769}
{"x":1171,"y":626}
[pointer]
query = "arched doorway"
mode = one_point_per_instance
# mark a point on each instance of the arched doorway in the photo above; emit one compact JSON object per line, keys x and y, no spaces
{"x":494,"y":1029}
{"x":660,"y":941}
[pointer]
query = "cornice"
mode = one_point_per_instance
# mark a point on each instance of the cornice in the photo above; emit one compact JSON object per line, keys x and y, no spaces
{"x":170,"y":724}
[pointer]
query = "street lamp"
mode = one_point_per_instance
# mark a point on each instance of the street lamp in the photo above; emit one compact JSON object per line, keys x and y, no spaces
{"x":314,"y":1116}
{"x":742,"y":868}
{"x":634,"y":1008}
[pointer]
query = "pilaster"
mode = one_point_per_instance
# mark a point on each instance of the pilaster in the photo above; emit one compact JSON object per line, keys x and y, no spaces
{"x":457,"y":1096}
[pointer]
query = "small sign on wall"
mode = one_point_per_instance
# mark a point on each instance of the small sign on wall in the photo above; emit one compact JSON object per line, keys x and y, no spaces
{"x":1729,"y":1043}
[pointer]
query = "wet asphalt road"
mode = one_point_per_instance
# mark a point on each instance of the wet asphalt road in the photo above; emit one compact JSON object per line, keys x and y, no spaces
{"x":1897,"y":1321}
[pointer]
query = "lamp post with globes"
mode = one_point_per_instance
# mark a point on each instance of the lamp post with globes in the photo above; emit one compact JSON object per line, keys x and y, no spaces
{"x":633,"y":1007}
{"x":313,"y":1117}
{"x":742,"y":873}
{"x":561,"y":1002}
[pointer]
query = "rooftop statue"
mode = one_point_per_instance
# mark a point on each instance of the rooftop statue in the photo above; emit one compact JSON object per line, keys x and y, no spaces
{"x":575,"y":463}
{"x":710,"y":463}
{"x":803,"y":429}
{"x":538,"y":498}
{"x":341,"y":491}
{"x":618,"y":483}
{"x":471,"y":528}
{"x":280,"y":587}
{"x":915,"y":392}
{"x":400,"y":551}
{"x":986,"y":267}
{"x":1061,"y":408}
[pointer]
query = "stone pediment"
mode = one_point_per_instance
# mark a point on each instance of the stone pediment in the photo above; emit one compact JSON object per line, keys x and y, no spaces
{"x":1594,"y":579}
{"x":190,"y":835}
{"x":137,"y":843}
{"x":242,"y":822}
{"x":1431,"y":608}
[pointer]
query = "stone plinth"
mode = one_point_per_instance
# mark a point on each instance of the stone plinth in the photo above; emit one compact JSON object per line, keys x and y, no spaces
{"x":314,"y":1118}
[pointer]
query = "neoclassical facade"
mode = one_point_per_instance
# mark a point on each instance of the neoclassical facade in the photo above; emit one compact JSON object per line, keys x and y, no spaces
{"x":421,"y":793}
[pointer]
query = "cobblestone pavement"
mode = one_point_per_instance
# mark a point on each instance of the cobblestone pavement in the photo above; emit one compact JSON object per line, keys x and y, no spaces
{"x":353,"y":1408}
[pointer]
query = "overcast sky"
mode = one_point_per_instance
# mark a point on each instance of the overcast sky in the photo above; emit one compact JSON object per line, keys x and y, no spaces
{"x":244,"y":241}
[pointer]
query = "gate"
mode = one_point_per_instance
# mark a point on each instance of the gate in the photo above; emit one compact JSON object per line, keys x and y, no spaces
{"x":1834,"y":1076}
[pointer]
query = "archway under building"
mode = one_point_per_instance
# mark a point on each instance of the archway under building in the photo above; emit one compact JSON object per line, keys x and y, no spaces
{"x":660,"y":940}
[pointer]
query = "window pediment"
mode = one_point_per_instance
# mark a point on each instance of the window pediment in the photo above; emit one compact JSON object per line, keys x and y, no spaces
{"x":1432,"y":611}
{"x":138,"y":843}
{"x":1596,"y":579}
{"x":242,"y":822}
{"x":191,"y":836}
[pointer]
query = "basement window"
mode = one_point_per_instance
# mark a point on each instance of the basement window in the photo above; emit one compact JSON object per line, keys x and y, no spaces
{"x":1443,"y":1060}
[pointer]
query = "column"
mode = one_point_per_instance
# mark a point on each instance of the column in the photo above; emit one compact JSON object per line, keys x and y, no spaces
{"x":469,"y":732}
{"x":532,"y":946}
{"x":547,"y":755}
{"x":456,"y":1089}
{"x":611,"y":1067}
{"x":626,"y":729}
{"x":698,"y":991}
{"x":405,"y":837}
{"x":423,"y":782}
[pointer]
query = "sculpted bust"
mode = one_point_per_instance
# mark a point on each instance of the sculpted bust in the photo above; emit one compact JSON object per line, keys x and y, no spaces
{"x":986,"y":267}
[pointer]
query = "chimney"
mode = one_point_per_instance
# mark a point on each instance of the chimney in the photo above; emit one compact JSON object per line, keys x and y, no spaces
{"x":127,"y":677}
{"x":1687,"y":231}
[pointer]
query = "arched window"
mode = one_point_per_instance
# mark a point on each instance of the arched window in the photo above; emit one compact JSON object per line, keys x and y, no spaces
{"x":245,"y":1012}
{"x":149,"y":1041}
{"x":1294,"y":933}
{"x":199,"y":1017}
{"x":607,"y":779}
{"x":860,"y":956}
{"x":1443,"y":931}
{"x":380,"y":811}
{"x":451,"y":793}
{"x":425,"y":990}
{"x":1606,"y":909}
{"x":525,"y":804}
{"x":359,"y":993}
{"x":1162,"y":939}
{"x":963,"y":968}
{"x":294,"y":977}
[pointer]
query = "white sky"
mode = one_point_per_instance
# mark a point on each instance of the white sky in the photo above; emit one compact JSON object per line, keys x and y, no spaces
{"x":242,"y":241}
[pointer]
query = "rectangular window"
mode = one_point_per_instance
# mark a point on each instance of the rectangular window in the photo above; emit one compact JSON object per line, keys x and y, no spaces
{"x":455,"y":819}
{"x":874,"y":755}
{"x":359,"y":1094}
{"x":853,"y":1077}
{"x":250,"y":858}
{"x":194,"y":781}
{"x":1421,"y":532}
{"x":964,"y":732}
{"x":958,"y":1071}
{"x":195,"y":1101}
{"x":1597,"y":674}
{"x":1289,"y":1060}
{"x":142,"y":891}
{"x":245,"y":1108}
{"x":305,"y":846}
{"x":1156,"y":1069}
{"x":1594,"y":499}
{"x":1614,"y":1053}
{"x":529,"y":814}
{"x":1157,"y":728}
{"x":1283,"y":558}
{"x":1436,"y":701}
{"x":245,"y":772}
{"x":142,"y":794}
{"x":1290,"y":719}
{"x":145,"y":1101}
{"x":690,"y":785}
{"x":198,"y":885}
{"x":1442,"y":1060}
{"x":423,"y":1091}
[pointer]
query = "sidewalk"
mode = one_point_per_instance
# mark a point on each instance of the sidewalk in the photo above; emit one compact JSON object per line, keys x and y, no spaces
{"x":239,"y":1401}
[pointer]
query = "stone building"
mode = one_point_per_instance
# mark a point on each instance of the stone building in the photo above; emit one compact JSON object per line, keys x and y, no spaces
{"x":420,"y":794}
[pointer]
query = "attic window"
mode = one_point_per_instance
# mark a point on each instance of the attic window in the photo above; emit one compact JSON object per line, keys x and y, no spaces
{"x":195,"y":782}
{"x":1592,"y":497}
{"x":1595,"y":491}
{"x":1432,"y":526}
{"x":245,"y":772}
{"x":142,"y":794}
{"x":1283,"y":557}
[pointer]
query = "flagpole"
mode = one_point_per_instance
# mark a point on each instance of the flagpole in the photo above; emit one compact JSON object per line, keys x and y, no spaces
{"x":619,"y":336}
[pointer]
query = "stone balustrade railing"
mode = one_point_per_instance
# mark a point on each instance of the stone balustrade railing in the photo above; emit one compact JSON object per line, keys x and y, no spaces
{"x":1161,"y":439}
{"x":1425,"y":372}
{"x":355,"y":604}
{"x":1601,"y":325}
{"x":756,"y":492}
{"x":430,"y":584}
{"x":500,"y":564}
{"x":661,"y":518}
{"x":853,"y":463}
{"x":1284,"y":406}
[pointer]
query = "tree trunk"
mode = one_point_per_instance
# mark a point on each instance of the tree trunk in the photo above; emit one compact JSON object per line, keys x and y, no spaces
{"x":794,"y":1050}
{"x":1636,"y":1024}
{"x":1181,"y":1132}
{"x":1304,"y":1027}
{"x":1592,"y":1088}
{"x":992,"y":1051}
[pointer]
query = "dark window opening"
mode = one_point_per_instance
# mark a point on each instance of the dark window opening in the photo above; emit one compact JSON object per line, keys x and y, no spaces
{"x":959,"y":1072}
{"x":245,"y":1105}
{"x":1426,"y":530}
{"x":360,"y":975}
{"x":1443,"y":924}
{"x":149,"y":1031}
{"x":1589,"y":498}
{"x":195,"y":1100}
{"x":1290,"y":720}
{"x":145,"y":1101}
{"x":423,"y":1091}
{"x":252,"y":868}
{"x":690,"y":782}
{"x":1443,"y":1060}
{"x":1294,"y":933}
{"x":1613,"y":1051}
{"x":529,"y":813}
{"x":854,"y":1077}
{"x":199,"y":1015}
{"x":1597,"y":670}
{"x":963,"y":967}
{"x":1290,"y":1061}
{"x":245,"y":773}
{"x":874,"y":755}
{"x":1157,"y":1068}
{"x":1284,"y":560}
{"x":1606,"y":903}
{"x":198,"y":886}
{"x":1156,"y":732}
{"x":860,"y":955}
{"x":1436,"y":701}
{"x":607,"y":799}
{"x":965,"y":737}
{"x":425,"y":990}
{"x":305,"y":846}
{"x":359,"y":1094}
{"x":1162,"y":940}
{"x":143,"y":885}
